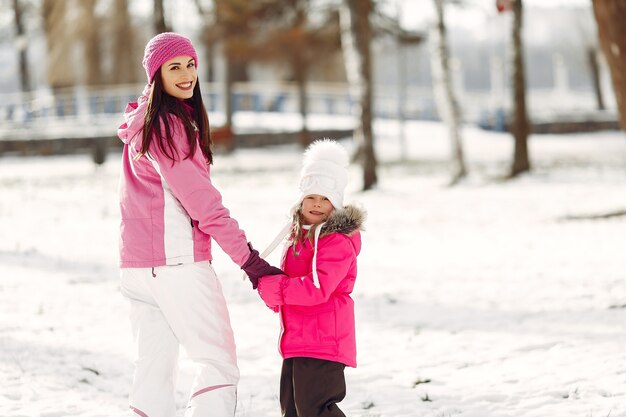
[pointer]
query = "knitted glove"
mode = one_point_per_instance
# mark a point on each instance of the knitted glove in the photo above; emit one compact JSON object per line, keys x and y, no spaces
{"x":271,"y":290}
{"x":255,"y":267}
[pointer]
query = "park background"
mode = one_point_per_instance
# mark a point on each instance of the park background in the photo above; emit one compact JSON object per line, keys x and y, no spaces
{"x":484,"y":290}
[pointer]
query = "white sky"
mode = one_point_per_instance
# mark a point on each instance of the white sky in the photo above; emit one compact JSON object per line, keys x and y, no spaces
{"x":417,"y":13}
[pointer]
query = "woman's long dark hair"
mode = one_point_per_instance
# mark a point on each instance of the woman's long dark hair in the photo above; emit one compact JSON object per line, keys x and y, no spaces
{"x":161,"y":107}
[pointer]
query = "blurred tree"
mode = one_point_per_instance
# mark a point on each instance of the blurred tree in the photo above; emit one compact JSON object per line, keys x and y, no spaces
{"x":233,"y":19}
{"x":520,"y":125}
{"x":275,"y":31}
{"x":79,"y":28}
{"x":59,"y":40}
{"x":295,"y":39}
{"x":124,"y":69}
{"x":89,"y":29}
{"x":209,"y":38}
{"x":21,"y":45}
{"x":610,"y":17}
{"x":159,"y":17}
{"x":356,"y":35}
{"x":586,"y":28}
{"x":447,"y":103}
{"x":594,"y":68}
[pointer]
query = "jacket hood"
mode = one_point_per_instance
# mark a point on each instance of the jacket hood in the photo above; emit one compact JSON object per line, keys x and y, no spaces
{"x":134,"y":116}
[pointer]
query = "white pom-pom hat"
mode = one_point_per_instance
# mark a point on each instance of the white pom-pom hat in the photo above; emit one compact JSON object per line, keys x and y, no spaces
{"x":325,"y":171}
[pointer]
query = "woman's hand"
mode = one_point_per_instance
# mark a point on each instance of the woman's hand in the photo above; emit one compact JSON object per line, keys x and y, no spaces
{"x":256,"y":267}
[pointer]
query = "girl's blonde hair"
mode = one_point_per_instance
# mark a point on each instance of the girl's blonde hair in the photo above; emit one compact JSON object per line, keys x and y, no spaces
{"x":296,"y":234}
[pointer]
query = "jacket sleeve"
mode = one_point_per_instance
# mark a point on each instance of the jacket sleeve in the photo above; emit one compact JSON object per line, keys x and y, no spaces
{"x":335,"y":256}
{"x":190,"y":182}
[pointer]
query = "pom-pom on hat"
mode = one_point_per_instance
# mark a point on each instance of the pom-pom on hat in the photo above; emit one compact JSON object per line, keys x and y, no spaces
{"x":164,"y":47}
{"x":325,"y":171}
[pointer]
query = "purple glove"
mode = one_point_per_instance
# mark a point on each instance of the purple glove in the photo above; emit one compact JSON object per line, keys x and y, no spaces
{"x":255,"y":267}
{"x":271,"y":290}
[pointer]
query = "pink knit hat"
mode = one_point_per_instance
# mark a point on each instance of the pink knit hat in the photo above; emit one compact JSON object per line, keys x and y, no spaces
{"x":164,"y":47}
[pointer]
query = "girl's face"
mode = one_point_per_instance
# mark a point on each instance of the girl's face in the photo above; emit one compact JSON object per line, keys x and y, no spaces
{"x":179,"y":77}
{"x":316,"y":209}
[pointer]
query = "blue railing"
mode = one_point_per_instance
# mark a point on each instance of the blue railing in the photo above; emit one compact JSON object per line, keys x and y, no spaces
{"x":95,"y":104}
{"x":102,"y":106}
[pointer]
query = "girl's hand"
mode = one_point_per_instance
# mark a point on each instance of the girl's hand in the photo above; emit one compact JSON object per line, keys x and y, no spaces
{"x":271,"y":289}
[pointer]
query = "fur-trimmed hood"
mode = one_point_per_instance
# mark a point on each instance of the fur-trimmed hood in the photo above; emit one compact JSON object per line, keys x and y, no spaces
{"x":345,"y":221}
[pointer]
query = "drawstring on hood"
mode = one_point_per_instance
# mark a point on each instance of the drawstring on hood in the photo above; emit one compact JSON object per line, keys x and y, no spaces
{"x":316,"y":237}
{"x":318,"y":230}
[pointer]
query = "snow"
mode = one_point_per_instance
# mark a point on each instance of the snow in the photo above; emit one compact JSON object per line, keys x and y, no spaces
{"x":480,"y":300}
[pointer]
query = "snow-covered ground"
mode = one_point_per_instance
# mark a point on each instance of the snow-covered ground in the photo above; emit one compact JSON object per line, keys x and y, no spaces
{"x":488,"y":299}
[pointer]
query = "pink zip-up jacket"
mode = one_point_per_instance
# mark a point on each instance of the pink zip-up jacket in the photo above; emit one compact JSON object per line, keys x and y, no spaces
{"x":317,"y":316}
{"x":170,"y":210}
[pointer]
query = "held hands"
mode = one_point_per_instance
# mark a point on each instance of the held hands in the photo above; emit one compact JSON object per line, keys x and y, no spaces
{"x":256,"y":267}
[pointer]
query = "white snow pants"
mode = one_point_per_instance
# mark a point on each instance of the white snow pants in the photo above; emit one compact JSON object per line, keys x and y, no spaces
{"x":181,"y":305}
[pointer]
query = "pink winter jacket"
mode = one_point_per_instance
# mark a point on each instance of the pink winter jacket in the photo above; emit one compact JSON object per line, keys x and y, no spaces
{"x":319,"y":322}
{"x":170,"y":210}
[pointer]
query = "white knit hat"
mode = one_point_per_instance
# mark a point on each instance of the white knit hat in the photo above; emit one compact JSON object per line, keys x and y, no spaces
{"x":325,"y":171}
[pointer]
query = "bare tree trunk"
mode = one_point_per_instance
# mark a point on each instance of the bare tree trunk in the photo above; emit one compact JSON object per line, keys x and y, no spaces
{"x":209,"y":43}
{"x":610,"y":17}
{"x":21,"y":45}
{"x":300,"y":76}
{"x":592,"y":57}
{"x":228,"y":91}
{"x":356,"y":34}
{"x":209,"y":50}
{"x":123,"y":48}
{"x":447,"y":102}
{"x":299,"y":69}
{"x":222,"y":20}
{"x":60,"y":68}
{"x":159,"y":17}
{"x":236,"y":71}
{"x":236,"y":65}
{"x":89,"y":35}
{"x":520,"y":126}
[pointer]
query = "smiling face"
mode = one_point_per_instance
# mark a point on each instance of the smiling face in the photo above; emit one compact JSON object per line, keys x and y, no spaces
{"x":179,"y":77}
{"x":316,"y":209}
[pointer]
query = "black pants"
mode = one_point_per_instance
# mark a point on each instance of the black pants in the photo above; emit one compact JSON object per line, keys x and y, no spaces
{"x":311,"y":388}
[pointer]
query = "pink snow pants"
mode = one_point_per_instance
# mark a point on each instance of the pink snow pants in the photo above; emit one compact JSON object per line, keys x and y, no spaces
{"x":181,"y":305}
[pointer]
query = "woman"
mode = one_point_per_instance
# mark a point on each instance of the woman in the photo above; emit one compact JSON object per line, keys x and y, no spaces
{"x":170,"y":212}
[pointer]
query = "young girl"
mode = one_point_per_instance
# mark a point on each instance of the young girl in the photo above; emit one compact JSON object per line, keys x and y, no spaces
{"x":170,"y":212}
{"x":313,"y":296}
